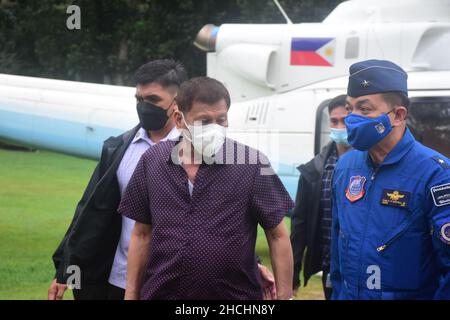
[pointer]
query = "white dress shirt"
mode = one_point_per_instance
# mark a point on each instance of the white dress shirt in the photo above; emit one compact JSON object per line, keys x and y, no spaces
{"x":140,"y":144}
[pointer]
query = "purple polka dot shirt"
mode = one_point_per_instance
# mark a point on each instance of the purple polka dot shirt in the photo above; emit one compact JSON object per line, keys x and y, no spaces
{"x":203,"y":247}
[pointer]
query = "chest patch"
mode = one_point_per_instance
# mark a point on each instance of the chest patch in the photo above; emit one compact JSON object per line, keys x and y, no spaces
{"x":355,"y":189}
{"x":395,"y":198}
{"x":441,"y":195}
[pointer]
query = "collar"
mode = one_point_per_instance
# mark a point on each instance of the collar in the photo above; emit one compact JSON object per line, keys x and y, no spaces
{"x":398,"y":152}
{"x":142,"y":134}
{"x":330,"y":162}
{"x":174,"y":155}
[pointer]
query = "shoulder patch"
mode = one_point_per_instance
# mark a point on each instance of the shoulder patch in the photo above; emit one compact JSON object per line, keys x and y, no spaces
{"x":442,"y":162}
{"x":441,"y":195}
{"x":445,"y":233}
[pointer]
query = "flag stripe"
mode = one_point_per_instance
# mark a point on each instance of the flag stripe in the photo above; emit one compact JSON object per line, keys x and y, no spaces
{"x":308,"y":44}
{"x":308,"y":58}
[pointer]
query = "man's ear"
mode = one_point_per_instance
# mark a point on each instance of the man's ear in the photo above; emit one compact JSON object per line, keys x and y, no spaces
{"x":400,"y":115}
{"x":178,"y":116}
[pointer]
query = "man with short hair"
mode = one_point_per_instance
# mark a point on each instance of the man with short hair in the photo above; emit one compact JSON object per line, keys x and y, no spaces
{"x":197,"y":208}
{"x":391,"y":197}
{"x":98,"y":237}
{"x":311,"y":218}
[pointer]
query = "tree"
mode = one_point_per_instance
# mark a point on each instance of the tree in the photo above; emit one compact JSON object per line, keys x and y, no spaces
{"x":117,"y":36}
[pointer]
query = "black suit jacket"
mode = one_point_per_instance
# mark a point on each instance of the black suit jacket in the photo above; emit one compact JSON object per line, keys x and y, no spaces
{"x":91,"y":240}
{"x":305,"y":223}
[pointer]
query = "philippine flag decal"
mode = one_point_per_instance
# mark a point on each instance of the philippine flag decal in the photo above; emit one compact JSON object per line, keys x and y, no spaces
{"x":318,"y":52}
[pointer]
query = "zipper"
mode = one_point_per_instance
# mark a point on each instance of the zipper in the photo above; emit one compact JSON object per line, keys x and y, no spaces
{"x":389,"y":242}
{"x":405,"y":226}
{"x":372,"y":180}
{"x":374,"y":173}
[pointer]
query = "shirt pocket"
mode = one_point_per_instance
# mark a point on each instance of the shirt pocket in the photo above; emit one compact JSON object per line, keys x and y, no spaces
{"x":400,"y":255}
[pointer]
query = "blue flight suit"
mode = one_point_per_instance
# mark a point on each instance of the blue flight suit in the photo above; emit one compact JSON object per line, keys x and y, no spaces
{"x":391,"y":225}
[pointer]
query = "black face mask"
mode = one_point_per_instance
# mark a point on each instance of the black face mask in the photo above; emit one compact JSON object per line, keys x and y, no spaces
{"x":151,"y":117}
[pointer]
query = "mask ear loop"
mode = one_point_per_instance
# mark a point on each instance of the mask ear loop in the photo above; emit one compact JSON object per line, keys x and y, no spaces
{"x":185,"y":123}
{"x":390,"y":111}
{"x":394,"y":116}
{"x":173,"y":111}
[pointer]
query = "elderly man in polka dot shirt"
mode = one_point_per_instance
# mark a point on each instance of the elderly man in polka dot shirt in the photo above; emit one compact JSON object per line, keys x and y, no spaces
{"x":197,"y":203}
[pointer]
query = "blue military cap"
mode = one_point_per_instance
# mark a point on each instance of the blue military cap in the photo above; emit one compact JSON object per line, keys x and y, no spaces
{"x":376,"y":76}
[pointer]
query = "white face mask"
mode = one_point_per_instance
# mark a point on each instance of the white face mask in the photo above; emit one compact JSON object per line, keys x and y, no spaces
{"x":206,"y":139}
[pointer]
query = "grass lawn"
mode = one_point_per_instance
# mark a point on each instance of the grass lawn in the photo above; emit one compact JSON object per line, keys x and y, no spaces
{"x":38,"y":193}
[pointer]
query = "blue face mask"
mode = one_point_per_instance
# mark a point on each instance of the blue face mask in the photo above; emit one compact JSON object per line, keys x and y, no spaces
{"x":339,"y":136}
{"x":365,"y":132}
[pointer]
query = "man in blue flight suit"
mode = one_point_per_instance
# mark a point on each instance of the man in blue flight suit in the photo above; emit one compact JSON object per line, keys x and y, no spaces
{"x":391,"y":197}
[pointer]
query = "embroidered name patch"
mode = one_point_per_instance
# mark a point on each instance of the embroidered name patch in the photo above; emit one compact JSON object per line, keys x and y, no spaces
{"x":441,"y":195}
{"x":395,"y":198}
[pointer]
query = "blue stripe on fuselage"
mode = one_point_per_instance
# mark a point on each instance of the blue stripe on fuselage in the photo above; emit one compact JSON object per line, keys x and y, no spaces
{"x":75,"y":138}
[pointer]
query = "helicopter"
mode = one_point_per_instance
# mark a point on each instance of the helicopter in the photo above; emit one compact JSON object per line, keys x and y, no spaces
{"x":280,"y":78}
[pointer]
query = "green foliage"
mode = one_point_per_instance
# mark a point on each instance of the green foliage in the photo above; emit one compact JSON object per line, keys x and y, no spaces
{"x":38,"y":194}
{"x":117,"y":36}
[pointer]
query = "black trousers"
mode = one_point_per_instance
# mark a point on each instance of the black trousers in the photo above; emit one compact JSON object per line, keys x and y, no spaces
{"x":327,"y":290}
{"x":99,"y":292}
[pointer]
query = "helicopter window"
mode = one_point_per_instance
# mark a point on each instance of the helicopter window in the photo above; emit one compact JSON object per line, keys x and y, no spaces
{"x":352,"y":48}
{"x":429,"y":121}
{"x":322,"y":127}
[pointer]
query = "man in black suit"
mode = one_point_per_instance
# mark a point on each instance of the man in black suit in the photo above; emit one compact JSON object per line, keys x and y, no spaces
{"x":311,"y":219}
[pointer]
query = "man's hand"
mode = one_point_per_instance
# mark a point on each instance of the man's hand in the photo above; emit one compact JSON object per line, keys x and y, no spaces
{"x":56,"y":291}
{"x":282,"y":260}
{"x":129,"y":295}
{"x":268,"y":283}
{"x":138,"y":254}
